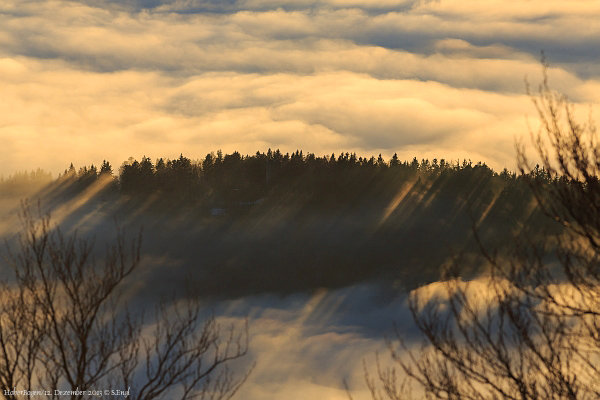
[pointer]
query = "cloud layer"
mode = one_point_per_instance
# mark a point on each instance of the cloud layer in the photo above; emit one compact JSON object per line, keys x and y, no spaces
{"x":84,"y":81}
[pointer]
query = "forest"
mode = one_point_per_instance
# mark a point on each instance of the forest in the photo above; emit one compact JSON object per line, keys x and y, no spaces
{"x":326,"y":221}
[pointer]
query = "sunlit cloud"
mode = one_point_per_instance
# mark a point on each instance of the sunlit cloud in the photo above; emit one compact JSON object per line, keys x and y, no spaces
{"x":91,"y":80}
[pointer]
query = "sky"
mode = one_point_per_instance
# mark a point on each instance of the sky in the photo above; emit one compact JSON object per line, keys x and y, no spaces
{"x":84,"y":81}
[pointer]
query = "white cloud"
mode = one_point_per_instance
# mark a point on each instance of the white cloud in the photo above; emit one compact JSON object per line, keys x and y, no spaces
{"x":95,"y":81}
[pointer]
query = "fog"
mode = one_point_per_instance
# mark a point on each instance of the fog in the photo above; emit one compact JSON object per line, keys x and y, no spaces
{"x":305,"y":341}
{"x":321,"y":280}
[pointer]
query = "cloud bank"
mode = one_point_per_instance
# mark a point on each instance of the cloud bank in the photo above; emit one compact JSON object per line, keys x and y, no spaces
{"x":84,"y":81}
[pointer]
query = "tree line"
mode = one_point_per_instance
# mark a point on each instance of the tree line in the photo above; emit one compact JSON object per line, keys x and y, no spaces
{"x":234,"y":179}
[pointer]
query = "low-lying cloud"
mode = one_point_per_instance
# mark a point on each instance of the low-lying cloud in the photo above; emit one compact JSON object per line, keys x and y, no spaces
{"x":84,"y":81}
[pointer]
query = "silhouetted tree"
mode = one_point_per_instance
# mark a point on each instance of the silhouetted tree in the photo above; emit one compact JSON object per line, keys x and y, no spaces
{"x":87,"y":175}
{"x":129,"y":175}
{"x":414,"y":164}
{"x":532,"y":331}
{"x":62,"y":326}
{"x":106,"y":168}
{"x":146,"y":179}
